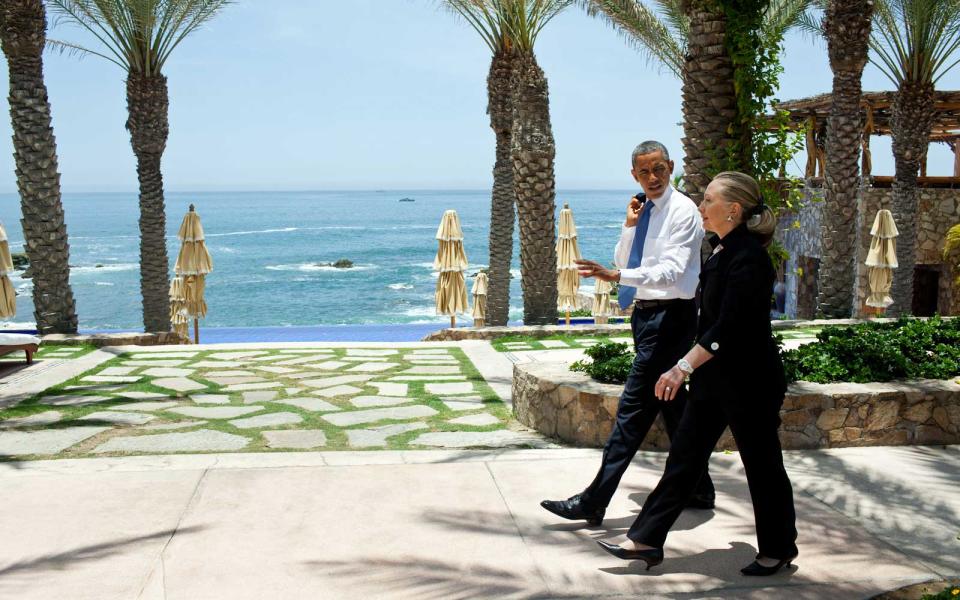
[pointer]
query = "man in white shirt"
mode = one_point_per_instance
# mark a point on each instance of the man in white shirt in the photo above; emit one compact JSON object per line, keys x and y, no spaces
{"x":658,"y":260}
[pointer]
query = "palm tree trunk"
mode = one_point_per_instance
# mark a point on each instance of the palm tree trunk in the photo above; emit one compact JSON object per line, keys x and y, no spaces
{"x":910,"y":122}
{"x":709,"y":98}
{"x":847,"y":29}
{"x":23,"y":34}
{"x":533,"y":152}
{"x":502,"y":204}
{"x":147,"y":105}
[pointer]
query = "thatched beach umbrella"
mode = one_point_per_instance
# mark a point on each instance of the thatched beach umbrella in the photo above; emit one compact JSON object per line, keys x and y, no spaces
{"x":193,"y":265}
{"x":451,"y":260}
{"x":882,"y":259}
{"x":601,"y":301}
{"x":178,"y":308}
{"x":8,"y":297}
{"x":479,"y":312}
{"x":568,"y":252}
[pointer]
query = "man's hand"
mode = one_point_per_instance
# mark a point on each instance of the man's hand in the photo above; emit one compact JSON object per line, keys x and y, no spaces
{"x":589,"y":268}
{"x":633,"y":212}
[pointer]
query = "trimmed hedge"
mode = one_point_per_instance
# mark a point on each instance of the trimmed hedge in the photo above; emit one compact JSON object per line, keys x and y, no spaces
{"x":904,"y":349}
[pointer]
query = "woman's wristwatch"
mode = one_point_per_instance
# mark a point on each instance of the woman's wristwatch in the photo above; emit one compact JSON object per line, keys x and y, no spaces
{"x":684,"y":366}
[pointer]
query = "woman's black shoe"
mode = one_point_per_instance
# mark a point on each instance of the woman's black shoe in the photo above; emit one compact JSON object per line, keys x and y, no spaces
{"x":755,"y":569}
{"x":653,"y":556}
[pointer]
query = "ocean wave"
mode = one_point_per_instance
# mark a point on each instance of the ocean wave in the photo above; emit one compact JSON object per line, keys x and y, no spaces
{"x":105,"y":268}
{"x":102,"y":283}
{"x":315,"y":267}
{"x":230,"y":233}
{"x":400,"y":286}
{"x":6,"y":325}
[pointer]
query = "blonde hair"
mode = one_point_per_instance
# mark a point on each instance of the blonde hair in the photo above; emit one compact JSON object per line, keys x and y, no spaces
{"x":744,"y":190}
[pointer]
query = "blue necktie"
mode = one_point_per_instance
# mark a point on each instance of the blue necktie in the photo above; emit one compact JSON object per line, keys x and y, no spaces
{"x":626,"y":294}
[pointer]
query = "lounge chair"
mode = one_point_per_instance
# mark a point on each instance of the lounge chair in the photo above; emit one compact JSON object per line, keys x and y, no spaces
{"x":13,"y":342}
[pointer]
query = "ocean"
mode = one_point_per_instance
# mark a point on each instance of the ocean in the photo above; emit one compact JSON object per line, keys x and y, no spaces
{"x":267,"y":249}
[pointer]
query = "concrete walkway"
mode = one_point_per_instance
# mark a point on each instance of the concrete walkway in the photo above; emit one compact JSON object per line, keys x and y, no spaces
{"x":439,"y":524}
{"x":445,"y":524}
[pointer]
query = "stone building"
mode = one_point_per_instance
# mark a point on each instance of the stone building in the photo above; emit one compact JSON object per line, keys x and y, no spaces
{"x":939,"y":209}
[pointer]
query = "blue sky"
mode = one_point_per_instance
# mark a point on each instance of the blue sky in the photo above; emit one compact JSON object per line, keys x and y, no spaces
{"x":376,"y":94}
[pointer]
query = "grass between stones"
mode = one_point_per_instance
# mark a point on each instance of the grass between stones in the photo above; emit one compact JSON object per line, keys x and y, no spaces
{"x":511,"y":343}
{"x":336,"y":437}
{"x":59,"y":351}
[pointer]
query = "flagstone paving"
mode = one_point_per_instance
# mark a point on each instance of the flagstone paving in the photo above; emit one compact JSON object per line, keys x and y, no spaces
{"x":368,"y":401}
{"x":119,"y":418}
{"x":260,"y":396}
{"x":311,"y":404}
{"x":216,"y":412}
{"x":295,"y":439}
{"x":267,"y":420}
{"x":179,"y":384}
{"x":204,"y":440}
{"x":44,"y":418}
{"x":480,"y":420}
{"x":251,"y":400}
{"x":377,"y":436}
{"x":357,"y":417}
{"x":450,"y":388}
{"x":50,"y":441}
{"x":211,"y":398}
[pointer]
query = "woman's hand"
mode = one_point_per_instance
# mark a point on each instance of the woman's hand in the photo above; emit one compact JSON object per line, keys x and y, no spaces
{"x":589,"y":268}
{"x":669,"y":383}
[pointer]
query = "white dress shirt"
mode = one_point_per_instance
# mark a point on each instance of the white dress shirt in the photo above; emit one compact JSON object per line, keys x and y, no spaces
{"x":670,"y":265}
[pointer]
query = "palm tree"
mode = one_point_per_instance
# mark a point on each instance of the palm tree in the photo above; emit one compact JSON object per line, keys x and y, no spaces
{"x":532,"y":153}
{"x":486,"y":17}
{"x":846,"y":27}
{"x":687,"y":38}
{"x":913,"y":43}
{"x":23,"y":26}
{"x":139,"y":36}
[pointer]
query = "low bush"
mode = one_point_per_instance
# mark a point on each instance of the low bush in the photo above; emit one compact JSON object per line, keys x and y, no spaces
{"x":948,"y":593}
{"x":904,"y":349}
{"x":610,"y":362}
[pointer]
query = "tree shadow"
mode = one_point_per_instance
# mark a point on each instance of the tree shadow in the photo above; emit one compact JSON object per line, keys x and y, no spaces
{"x":28,"y":570}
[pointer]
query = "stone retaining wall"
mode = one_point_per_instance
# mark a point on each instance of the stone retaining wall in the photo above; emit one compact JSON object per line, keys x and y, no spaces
{"x":578,"y":410}
{"x":115,"y":339}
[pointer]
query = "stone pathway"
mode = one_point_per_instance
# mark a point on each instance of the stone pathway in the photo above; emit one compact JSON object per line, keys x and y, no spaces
{"x":256,"y":400}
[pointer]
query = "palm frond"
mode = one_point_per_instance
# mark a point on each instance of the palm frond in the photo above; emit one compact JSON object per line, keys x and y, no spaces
{"x":915,"y":40}
{"x":69,"y":49}
{"x":783,"y":15}
{"x":523,"y":20}
{"x":644,"y":30}
{"x":483,"y":17}
{"x":140,"y":35}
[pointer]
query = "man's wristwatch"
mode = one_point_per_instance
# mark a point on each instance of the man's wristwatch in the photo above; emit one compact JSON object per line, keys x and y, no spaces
{"x":684,"y":366}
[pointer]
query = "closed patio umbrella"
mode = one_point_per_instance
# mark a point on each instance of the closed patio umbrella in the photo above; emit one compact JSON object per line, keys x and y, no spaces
{"x":479,"y":312}
{"x":568,"y":279}
{"x":193,"y":265}
{"x":451,"y":260}
{"x":601,"y":302}
{"x":882,"y":259}
{"x":8,"y":297}
{"x":178,"y":308}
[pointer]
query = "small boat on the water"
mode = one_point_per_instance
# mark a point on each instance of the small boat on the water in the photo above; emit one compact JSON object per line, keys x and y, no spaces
{"x":408,"y":200}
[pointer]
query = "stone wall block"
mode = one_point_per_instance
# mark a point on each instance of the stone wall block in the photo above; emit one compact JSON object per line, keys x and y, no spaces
{"x":832,"y":418}
{"x":920,"y":412}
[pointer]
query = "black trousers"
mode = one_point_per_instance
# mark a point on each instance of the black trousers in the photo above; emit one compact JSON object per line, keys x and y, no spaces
{"x":661,"y":337}
{"x":753,"y":417}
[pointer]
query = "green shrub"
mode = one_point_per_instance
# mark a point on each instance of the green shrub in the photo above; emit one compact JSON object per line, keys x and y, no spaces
{"x":951,"y":592}
{"x":611,"y":362}
{"x":905,"y":349}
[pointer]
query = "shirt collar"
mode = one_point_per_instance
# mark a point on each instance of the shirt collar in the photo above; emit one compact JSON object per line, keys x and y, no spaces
{"x":663,"y":199}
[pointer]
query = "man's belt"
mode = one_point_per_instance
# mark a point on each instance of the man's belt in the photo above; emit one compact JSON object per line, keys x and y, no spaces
{"x":647,"y":304}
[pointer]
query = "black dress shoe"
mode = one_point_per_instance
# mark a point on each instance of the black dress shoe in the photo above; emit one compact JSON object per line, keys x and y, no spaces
{"x":755,"y":569}
{"x":652,"y":556}
{"x":704,"y":501}
{"x":573,"y":508}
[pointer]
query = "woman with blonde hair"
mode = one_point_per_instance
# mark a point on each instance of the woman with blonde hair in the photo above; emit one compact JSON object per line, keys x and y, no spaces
{"x":736,"y":380}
